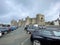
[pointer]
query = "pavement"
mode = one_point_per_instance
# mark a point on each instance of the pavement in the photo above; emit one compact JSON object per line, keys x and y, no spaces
{"x":17,"y":37}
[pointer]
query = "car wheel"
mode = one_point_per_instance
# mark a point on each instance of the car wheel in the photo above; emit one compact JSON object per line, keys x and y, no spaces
{"x":5,"y":32}
{"x":29,"y":32}
{"x":8,"y":31}
{"x":0,"y":34}
{"x":36,"y":42}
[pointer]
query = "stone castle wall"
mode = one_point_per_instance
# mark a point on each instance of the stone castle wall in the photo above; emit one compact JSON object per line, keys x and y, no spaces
{"x":40,"y":20}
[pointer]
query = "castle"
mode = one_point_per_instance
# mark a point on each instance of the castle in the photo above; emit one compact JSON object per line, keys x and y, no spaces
{"x":39,"y":19}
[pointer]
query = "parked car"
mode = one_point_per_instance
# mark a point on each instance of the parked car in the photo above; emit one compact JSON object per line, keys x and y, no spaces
{"x":26,"y":27}
{"x":12,"y":28}
{"x":8,"y":29}
{"x":45,"y":37}
{"x":30,"y":29}
{"x":4,"y":30}
{"x":0,"y":34}
{"x":42,"y":27}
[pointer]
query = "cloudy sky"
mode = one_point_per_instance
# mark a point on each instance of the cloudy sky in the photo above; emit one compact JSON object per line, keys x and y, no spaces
{"x":18,"y":9}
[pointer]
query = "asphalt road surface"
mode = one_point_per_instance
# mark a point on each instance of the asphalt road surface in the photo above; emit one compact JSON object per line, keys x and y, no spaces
{"x":17,"y":37}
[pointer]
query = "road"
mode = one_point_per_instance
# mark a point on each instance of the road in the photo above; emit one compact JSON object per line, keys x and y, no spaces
{"x":17,"y":37}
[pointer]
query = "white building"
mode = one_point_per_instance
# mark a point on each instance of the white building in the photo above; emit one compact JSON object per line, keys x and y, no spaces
{"x":57,"y":22}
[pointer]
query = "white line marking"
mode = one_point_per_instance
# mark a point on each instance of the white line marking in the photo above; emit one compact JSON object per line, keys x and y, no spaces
{"x":24,"y":41}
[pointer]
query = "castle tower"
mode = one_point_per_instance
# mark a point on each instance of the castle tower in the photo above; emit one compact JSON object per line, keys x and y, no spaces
{"x":40,"y":19}
{"x":27,"y":21}
{"x":14,"y":23}
{"x":33,"y":20}
{"x":19,"y":23}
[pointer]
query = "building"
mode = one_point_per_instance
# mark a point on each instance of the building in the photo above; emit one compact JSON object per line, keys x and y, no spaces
{"x":57,"y":22}
{"x":14,"y":23}
{"x":54,"y":22}
{"x":19,"y":23}
{"x":40,"y":20}
{"x":27,"y":20}
{"x":33,"y":20}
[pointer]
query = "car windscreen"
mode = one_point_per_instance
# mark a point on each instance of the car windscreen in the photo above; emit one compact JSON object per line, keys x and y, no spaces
{"x":33,"y":27}
{"x":56,"y":33}
{"x":45,"y":32}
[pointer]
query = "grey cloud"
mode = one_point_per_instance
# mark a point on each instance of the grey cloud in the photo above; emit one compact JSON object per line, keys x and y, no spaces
{"x":3,"y":8}
{"x":17,"y":9}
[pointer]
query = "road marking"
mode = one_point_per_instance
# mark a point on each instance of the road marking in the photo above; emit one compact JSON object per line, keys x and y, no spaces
{"x":24,"y":41}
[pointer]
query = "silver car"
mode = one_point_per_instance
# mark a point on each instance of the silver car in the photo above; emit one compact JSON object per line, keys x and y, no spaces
{"x":30,"y":29}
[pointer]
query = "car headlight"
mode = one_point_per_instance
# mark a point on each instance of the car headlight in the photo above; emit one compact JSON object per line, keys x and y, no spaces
{"x":0,"y":34}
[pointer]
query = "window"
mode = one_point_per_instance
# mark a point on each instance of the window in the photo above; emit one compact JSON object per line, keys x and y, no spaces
{"x":44,"y":32}
{"x":41,"y":18}
{"x":56,"y":33}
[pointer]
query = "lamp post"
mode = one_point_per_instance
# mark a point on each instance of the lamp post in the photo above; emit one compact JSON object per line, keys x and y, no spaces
{"x":59,"y":19}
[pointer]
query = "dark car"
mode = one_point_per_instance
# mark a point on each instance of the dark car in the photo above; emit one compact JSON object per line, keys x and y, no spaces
{"x":45,"y":37}
{"x":26,"y":27}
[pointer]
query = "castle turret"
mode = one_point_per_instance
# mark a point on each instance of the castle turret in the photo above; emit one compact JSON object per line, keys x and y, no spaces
{"x":14,"y":23}
{"x":27,"y":20}
{"x":40,"y":19}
